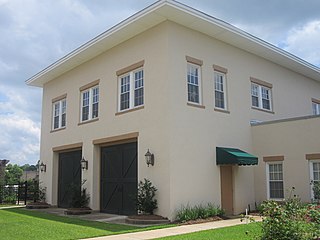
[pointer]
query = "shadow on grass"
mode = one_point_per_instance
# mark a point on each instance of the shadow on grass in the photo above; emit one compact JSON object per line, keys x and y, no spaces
{"x":109,"y":227}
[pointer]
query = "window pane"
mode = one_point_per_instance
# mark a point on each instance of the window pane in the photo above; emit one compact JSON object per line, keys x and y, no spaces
{"x":138,"y":97}
{"x":138,"y":92}
{"x":276,"y":189}
{"x":56,"y":122}
{"x":219,"y":99}
{"x":56,"y":115}
{"x":124,"y":101}
{"x":63,"y":120}
{"x":255,"y":101}
{"x":266,"y":104}
{"x":193,"y":93}
{"x":95,"y":102}
{"x":85,"y":113}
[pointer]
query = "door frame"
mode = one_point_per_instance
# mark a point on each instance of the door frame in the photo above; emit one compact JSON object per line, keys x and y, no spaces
{"x":227,"y":189}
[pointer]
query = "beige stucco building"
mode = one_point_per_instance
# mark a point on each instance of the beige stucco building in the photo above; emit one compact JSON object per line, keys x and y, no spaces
{"x":180,"y":83}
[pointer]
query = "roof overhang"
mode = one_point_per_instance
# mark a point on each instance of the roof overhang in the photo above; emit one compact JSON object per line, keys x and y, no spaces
{"x":171,"y":10}
{"x":234,"y":156}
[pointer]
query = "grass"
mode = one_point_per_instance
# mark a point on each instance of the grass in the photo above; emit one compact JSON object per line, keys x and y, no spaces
{"x":239,"y":232}
{"x":17,"y":223}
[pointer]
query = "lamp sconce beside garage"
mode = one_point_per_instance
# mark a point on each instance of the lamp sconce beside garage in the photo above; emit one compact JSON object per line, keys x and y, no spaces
{"x":84,"y":164}
{"x":149,"y":158}
{"x":43,"y":167}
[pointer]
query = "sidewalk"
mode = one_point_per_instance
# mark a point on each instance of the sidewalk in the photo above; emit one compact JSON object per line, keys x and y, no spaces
{"x":174,"y":230}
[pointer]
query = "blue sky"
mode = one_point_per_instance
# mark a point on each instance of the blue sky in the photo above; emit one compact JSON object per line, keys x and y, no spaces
{"x":35,"y":33}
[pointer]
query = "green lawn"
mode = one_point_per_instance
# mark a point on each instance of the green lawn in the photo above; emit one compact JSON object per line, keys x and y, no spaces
{"x":17,"y":223}
{"x":228,"y":233}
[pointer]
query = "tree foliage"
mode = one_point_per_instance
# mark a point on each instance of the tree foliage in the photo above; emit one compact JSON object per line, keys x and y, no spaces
{"x":13,"y":173}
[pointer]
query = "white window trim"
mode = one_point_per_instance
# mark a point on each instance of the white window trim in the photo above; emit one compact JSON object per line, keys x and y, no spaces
{"x":199,"y":83}
{"x":224,"y":82}
{"x":90,"y":90}
{"x":268,"y":179}
{"x":60,"y":114}
{"x":260,"y":87}
{"x":131,"y":91}
{"x":311,"y":176}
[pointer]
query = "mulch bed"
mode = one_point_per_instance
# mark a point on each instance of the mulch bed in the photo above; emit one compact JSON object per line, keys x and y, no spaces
{"x":210,"y":219}
{"x":147,"y":217}
{"x":37,"y":205}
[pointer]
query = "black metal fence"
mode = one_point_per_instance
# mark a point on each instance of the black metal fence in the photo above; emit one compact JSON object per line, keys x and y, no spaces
{"x":16,"y":193}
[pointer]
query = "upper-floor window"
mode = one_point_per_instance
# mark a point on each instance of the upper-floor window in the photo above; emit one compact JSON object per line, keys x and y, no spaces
{"x":275,"y":180}
{"x":193,"y":78}
{"x":220,"y":90}
{"x":261,"y":95}
{"x":89,"y":103}
{"x":59,"y":113}
{"x":131,"y":88}
{"x":315,"y":107}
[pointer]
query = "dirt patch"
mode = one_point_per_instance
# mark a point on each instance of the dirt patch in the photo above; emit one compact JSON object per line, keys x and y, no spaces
{"x":210,"y":219}
{"x":147,"y":217}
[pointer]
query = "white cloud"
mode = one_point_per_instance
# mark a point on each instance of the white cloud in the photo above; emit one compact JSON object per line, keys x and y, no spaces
{"x":19,"y":141}
{"x":304,"y":41}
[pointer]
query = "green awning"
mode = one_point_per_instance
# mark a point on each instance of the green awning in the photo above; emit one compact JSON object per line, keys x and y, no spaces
{"x":234,"y":156}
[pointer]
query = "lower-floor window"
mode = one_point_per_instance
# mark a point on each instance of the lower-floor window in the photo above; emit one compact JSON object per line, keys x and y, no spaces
{"x":315,"y":176}
{"x":275,"y":180}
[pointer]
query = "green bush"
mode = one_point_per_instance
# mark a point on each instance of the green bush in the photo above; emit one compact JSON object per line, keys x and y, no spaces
{"x":145,"y":202}
{"x":289,"y":220}
{"x":79,"y":197}
{"x":187,"y":213}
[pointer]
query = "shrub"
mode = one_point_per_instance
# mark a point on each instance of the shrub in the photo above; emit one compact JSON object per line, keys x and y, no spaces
{"x":145,"y":202}
{"x":187,"y":213}
{"x":79,"y":199}
{"x":289,"y":220}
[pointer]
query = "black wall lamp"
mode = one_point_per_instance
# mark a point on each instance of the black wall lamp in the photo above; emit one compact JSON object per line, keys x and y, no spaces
{"x":149,"y":158}
{"x":84,"y":164}
{"x":43,"y":167}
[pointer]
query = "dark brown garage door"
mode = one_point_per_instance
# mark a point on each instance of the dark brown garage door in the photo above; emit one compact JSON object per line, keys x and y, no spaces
{"x":119,"y":179}
{"x":69,"y":175}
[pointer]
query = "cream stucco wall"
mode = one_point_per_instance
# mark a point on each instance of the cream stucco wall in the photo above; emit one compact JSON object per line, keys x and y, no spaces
{"x":183,"y":138}
{"x":293,"y":140}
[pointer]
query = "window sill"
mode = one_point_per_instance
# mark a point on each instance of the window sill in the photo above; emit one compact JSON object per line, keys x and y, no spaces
{"x":221,"y":110}
{"x":57,"y":129}
{"x":88,"y":121}
{"x":129,"y":110}
{"x":195,"y":105}
{"x":263,"y":110}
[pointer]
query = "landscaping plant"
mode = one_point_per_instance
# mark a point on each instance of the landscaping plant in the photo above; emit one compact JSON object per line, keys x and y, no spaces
{"x":79,"y":199}
{"x":146,"y":203}
{"x":290,"y":220}
{"x":187,"y":213}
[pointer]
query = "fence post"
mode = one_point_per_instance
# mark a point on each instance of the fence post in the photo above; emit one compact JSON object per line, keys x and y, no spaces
{"x":19,"y":192}
{"x":25,"y":192}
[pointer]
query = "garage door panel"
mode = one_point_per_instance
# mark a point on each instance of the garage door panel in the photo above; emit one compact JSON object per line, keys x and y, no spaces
{"x":119,"y":168}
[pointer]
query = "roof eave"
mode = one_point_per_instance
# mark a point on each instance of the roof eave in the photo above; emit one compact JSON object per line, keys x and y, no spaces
{"x":182,"y":14}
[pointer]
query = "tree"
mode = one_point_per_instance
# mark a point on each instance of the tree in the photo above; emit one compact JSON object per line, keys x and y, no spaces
{"x":12,"y":174}
{"x":28,"y":167}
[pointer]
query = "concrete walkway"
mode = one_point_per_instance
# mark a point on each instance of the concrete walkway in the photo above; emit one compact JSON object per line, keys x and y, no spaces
{"x":174,"y":230}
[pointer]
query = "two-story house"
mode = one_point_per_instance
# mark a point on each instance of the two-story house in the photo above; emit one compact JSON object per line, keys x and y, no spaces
{"x":186,"y":87}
